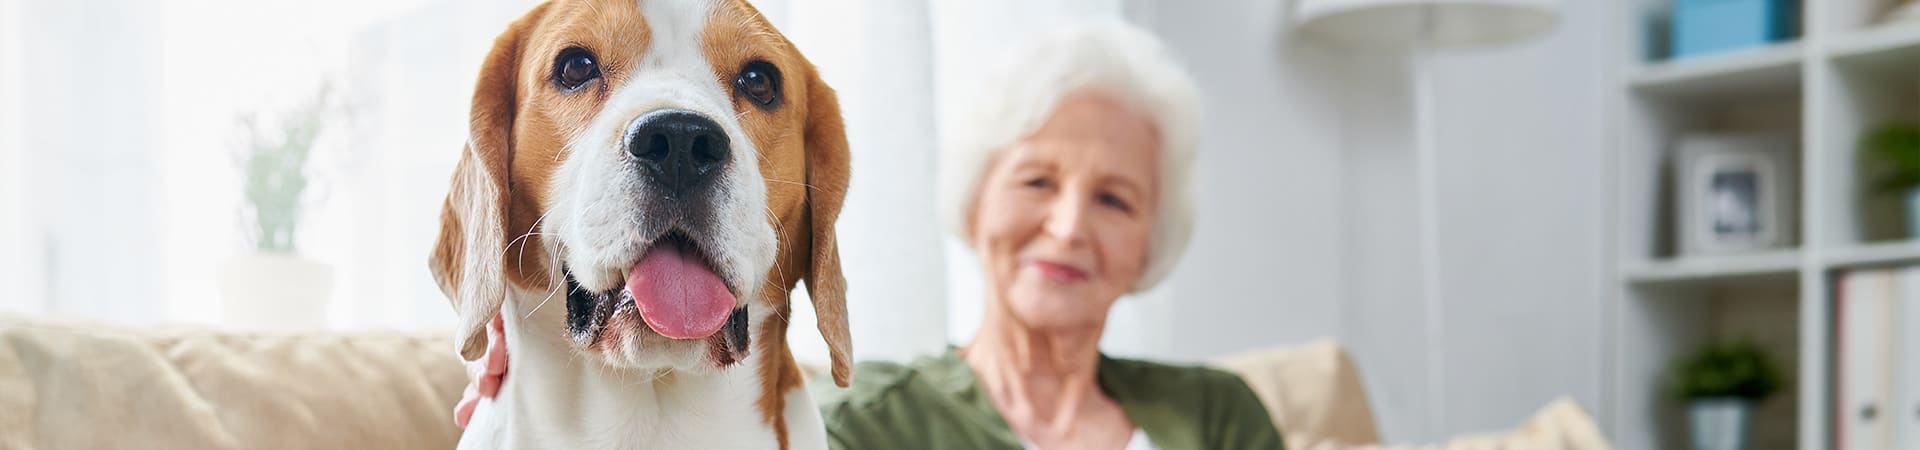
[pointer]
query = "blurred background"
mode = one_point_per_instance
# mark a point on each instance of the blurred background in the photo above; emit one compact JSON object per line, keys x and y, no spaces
{"x":1572,"y":209}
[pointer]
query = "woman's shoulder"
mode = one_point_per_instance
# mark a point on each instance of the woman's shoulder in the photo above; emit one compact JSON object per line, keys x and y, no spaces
{"x":1138,"y":371}
{"x":1196,"y":406}
{"x":1189,"y":388}
{"x":893,"y":405}
{"x":881,"y":388}
{"x":874,"y":383}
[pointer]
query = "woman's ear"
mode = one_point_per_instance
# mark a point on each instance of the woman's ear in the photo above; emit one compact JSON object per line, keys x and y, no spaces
{"x":828,"y":168}
{"x":468,"y":259}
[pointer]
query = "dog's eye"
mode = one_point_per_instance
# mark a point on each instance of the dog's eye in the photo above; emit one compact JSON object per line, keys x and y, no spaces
{"x":759,"y":81}
{"x":575,"y":68}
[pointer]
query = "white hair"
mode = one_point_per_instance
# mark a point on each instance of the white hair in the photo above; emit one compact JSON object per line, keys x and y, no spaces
{"x":1119,"y":60}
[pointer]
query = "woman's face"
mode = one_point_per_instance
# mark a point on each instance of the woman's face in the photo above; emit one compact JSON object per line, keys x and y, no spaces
{"x":1065,"y":216}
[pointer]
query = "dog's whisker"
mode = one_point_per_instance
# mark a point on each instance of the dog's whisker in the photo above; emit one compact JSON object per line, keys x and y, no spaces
{"x":543,"y":302}
{"x":555,"y":283}
{"x":518,"y":259}
{"x":808,"y":186}
{"x":523,"y":250}
{"x":779,"y":234}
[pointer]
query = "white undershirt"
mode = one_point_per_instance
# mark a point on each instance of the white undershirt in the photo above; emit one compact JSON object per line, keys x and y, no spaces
{"x":1139,"y":442}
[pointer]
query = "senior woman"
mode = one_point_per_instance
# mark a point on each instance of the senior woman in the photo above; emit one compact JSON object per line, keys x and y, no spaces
{"x":1070,"y":180}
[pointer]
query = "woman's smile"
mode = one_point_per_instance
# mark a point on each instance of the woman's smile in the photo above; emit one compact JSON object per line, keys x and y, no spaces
{"x":1057,"y":272}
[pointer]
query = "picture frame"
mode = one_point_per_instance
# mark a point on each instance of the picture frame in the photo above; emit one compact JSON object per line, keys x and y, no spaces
{"x":1737,"y":192}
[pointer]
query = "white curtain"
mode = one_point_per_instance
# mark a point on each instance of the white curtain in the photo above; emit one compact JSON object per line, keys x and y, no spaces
{"x":119,"y":189}
{"x":79,"y":164}
{"x":21,"y":277}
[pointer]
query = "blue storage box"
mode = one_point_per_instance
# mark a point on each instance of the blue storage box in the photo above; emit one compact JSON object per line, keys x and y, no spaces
{"x":1710,"y":26}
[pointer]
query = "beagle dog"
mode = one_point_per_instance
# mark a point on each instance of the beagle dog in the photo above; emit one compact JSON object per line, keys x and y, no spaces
{"x":644,"y":183}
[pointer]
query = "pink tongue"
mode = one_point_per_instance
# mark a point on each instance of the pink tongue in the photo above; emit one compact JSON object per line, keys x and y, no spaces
{"x":678,"y":295}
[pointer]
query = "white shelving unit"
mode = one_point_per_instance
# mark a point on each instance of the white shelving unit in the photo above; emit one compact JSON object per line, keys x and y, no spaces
{"x":1845,"y":74}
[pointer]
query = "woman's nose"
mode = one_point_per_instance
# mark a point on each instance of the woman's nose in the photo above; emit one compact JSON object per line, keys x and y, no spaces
{"x":1067,"y":218}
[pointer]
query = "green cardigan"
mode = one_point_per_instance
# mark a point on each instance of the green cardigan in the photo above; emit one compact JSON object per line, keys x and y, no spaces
{"x":936,"y":403}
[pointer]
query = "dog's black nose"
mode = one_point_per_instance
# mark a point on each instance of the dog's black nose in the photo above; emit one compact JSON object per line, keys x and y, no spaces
{"x":678,"y":150}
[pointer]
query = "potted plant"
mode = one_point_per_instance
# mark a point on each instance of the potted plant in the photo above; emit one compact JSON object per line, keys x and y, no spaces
{"x":271,"y":286}
{"x":1721,"y":384}
{"x":1895,"y":148}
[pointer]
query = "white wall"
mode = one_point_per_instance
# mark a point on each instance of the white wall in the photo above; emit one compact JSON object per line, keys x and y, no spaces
{"x":1385,"y":323}
{"x":1308,"y":218}
{"x":1522,"y":143}
{"x":1264,"y":265}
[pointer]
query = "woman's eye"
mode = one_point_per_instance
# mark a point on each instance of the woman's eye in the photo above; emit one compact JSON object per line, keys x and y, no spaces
{"x":759,"y":82}
{"x":575,"y":68}
{"x":1041,"y":183}
{"x":1114,"y":201}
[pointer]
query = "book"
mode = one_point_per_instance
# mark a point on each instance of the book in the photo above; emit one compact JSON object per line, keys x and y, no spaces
{"x":1863,"y":343}
{"x":1904,"y":411}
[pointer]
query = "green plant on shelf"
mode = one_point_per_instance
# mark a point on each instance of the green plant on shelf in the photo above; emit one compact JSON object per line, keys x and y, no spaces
{"x":1734,"y":368}
{"x":1895,"y":149}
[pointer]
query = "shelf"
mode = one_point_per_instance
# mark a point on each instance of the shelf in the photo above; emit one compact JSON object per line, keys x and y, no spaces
{"x":1708,"y":269}
{"x":1869,"y":255}
{"x":1893,"y":42}
{"x":1771,"y":69}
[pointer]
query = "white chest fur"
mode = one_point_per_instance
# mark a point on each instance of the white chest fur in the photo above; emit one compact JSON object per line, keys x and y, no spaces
{"x":554,"y":399}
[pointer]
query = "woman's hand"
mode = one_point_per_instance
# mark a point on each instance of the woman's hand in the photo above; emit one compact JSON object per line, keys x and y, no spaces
{"x":484,"y":376}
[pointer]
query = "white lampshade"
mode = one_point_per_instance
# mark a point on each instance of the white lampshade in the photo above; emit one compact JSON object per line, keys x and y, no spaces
{"x":1441,"y":23}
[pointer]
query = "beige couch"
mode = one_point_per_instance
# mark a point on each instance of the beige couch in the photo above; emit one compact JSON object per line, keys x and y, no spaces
{"x":83,"y":385}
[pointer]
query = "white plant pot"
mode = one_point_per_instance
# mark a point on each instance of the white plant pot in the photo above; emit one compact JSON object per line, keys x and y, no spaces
{"x":275,"y":292}
{"x":1719,"y":423}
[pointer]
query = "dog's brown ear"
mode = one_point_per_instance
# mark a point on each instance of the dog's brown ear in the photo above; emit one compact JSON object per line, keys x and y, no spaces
{"x":468,"y":259}
{"x":827,"y":172}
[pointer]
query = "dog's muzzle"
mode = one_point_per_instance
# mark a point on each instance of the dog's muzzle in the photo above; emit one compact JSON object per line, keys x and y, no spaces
{"x":678,"y":162}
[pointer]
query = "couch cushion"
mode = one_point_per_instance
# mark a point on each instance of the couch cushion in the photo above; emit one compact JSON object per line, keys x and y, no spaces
{"x":1315,"y":396}
{"x":1313,"y":392}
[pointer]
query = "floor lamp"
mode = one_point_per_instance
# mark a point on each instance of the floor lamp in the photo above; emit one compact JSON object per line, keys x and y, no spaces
{"x":1420,"y":27}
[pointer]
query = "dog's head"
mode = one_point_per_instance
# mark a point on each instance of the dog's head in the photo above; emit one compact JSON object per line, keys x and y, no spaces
{"x":666,"y":170}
